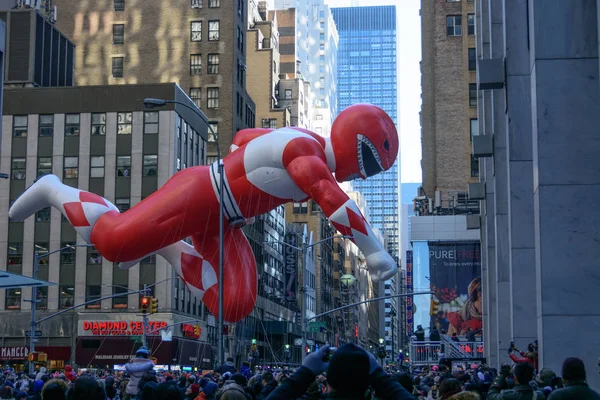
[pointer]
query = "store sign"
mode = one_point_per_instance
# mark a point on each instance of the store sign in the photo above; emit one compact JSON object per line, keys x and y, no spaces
{"x":14,"y":353}
{"x":409,"y":289}
{"x":191,"y":331}
{"x":291,"y":267}
{"x":119,"y":328}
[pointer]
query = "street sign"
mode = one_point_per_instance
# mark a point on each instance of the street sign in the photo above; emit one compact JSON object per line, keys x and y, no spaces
{"x":35,"y":333}
{"x":34,"y":340}
{"x":298,"y":342}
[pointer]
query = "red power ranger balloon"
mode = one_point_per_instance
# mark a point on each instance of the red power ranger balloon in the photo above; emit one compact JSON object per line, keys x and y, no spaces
{"x":265,"y":168}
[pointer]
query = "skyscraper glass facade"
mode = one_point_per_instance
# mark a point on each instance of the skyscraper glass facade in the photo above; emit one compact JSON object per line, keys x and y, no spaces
{"x":367,"y":74}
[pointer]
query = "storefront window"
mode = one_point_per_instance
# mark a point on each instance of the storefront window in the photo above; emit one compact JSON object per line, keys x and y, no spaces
{"x":121,"y":301}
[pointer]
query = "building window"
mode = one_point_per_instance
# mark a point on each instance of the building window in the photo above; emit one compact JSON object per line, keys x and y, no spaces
{"x":288,"y":94}
{"x":213,"y":64}
{"x":67,"y":255}
{"x":124,"y":122}
{"x":319,"y":117}
{"x":195,"y":64}
{"x":196,"y":96}
{"x":150,"y":165}
{"x":452,"y":1}
{"x":474,"y":127}
{"x":474,"y":166}
{"x":123,"y":204}
{"x":472,"y":59}
{"x":300,"y":208}
{"x":213,"y":30}
{"x":20,"y":126}
{"x":65,"y":296}
{"x":119,"y":5}
{"x":269,"y":123}
{"x":97,"y":167}
{"x":71,"y":167}
{"x":18,"y":168}
{"x":117,"y":67}
{"x":471,"y":24}
{"x":94,"y":256}
{"x":240,"y":39}
{"x":454,"y":25}
{"x":72,"y":125}
{"x":118,"y":34}
{"x":119,"y":302}
{"x":212,"y":98}
{"x":318,"y":130}
{"x":473,"y":94}
{"x":42,"y":298}
{"x":44,"y":166}
{"x":196,"y":3}
{"x":92,"y":292}
{"x":15,"y":254}
{"x":13,"y":299}
{"x":98,"y":124}
{"x":151,"y":122}
{"x":196,"y":31}
{"x":46,"y":125}
{"x":43,"y":216}
{"x":321,"y":37}
{"x":123,"y":166}
{"x":214,"y":3}
{"x":215,"y":129}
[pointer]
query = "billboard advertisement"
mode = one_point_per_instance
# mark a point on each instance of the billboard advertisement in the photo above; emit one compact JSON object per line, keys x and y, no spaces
{"x":455,"y":279}
{"x":290,"y":263}
{"x":409,"y":288}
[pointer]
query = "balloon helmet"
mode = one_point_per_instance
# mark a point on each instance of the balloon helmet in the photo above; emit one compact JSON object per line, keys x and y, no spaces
{"x":364,"y":141}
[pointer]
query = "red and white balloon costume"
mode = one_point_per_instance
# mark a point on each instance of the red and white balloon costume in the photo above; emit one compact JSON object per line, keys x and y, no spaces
{"x":266,"y":168}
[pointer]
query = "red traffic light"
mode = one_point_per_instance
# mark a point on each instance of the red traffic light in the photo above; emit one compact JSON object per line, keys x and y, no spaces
{"x":145,"y":301}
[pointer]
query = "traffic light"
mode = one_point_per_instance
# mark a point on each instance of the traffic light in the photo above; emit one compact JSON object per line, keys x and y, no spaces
{"x":35,"y":356}
{"x":153,"y":305}
{"x":307,"y":349}
{"x":145,"y":303}
{"x":197,"y":330}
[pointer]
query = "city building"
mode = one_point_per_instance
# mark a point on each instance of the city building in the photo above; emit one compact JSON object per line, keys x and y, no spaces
{"x":310,"y":52}
{"x":198,"y":44}
{"x":101,"y":139}
{"x":367,"y":73}
{"x":449,"y":108}
{"x":38,"y":54}
{"x":309,"y":214}
{"x":538,"y":99}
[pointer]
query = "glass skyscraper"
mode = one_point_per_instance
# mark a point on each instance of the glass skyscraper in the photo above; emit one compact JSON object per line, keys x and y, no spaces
{"x":367,"y":74}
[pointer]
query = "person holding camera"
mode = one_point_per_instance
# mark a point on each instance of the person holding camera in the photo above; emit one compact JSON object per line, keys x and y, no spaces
{"x":531,"y":356}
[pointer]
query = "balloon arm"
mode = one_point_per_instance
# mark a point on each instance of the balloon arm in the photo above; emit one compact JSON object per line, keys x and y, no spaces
{"x":246,"y":135}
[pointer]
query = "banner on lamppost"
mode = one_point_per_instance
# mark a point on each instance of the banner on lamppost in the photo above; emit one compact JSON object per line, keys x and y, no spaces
{"x":455,"y":271}
{"x":291,"y":267}
{"x":409,"y":289}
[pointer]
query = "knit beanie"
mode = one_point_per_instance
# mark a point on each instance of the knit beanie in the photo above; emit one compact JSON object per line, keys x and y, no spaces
{"x":348,"y":371}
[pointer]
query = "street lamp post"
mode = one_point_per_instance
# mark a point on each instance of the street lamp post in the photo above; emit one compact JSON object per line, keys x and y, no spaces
{"x":152,"y":103}
{"x":34,"y":300}
{"x":305,"y":256}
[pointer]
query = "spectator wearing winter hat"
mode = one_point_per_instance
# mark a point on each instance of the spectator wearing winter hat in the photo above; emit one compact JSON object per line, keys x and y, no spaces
{"x":37,"y":390}
{"x":192,"y":391}
{"x":209,"y":391}
{"x":574,"y":379}
{"x":69,"y":375}
{"x":40,"y":374}
{"x":55,"y":389}
{"x":136,"y":368}
{"x":349,"y":374}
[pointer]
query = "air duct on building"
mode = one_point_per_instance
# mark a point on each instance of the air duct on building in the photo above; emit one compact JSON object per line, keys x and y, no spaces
{"x":477,"y":191}
{"x":491,"y":74}
{"x":483,"y":146}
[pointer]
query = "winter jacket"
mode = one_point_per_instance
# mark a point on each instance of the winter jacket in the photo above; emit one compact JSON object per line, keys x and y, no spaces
{"x":69,"y":373}
{"x":267,"y":389}
{"x":530,"y":358}
{"x":293,"y":387}
{"x":575,"y":390}
{"x":40,"y":374}
{"x":519,"y":392}
{"x":465,"y":396}
{"x":227,"y":367}
{"x":246,"y":372}
{"x":136,"y":368}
